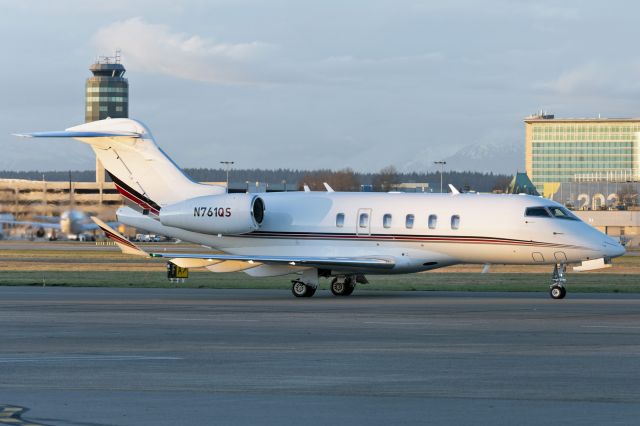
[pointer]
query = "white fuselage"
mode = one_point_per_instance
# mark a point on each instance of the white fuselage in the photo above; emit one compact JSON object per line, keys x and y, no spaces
{"x":468,"y":228}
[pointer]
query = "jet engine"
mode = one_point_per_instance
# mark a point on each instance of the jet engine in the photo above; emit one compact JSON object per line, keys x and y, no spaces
{"x":226,"y":214}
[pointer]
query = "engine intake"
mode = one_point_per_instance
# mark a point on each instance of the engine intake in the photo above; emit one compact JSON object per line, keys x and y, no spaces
{"x":226,"y":214}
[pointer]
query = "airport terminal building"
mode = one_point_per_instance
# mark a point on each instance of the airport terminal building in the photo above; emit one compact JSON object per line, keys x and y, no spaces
{"x":582,"y":149}
{"x":591,"y":165}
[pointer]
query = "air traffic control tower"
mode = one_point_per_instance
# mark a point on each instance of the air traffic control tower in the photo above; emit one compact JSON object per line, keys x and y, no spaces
{"x":106,"y":95}
{"x":107,"y":92}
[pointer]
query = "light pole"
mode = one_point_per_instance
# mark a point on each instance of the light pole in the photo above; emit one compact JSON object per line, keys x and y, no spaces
{"x":227,"y":165}
{"x":442,"y":163}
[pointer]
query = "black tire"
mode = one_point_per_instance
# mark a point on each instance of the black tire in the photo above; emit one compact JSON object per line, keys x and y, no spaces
{"x":342,"y":288}
{"x":300,"y":289}
{"x":557,"y":292}
{"x":350,"y":289}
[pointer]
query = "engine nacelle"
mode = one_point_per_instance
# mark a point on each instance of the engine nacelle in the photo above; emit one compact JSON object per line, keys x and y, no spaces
{"x":226,"y":214}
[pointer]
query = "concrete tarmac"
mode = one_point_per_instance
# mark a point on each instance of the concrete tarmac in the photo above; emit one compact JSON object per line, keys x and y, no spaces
{"x":102,"y":356}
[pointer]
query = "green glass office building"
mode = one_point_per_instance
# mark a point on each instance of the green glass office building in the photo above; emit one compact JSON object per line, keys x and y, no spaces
{"x":569,"y":150}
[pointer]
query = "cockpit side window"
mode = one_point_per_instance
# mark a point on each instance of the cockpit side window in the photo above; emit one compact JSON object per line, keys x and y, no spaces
{"x":562,"y":213}
{"x":536,"y":212}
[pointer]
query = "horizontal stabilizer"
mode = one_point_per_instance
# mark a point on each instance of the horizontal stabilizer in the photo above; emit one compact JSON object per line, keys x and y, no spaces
{"x":71,"y":134}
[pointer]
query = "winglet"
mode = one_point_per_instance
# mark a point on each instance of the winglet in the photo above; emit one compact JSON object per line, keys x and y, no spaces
{"x":327,"y":187}
{"x":125,"y":245}
{"x":454,"y":190}
{"x":306,"y":188}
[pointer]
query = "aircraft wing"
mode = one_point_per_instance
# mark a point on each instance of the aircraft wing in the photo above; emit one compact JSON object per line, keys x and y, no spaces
{"x":373,"y":262}
{"x":45,"y":225}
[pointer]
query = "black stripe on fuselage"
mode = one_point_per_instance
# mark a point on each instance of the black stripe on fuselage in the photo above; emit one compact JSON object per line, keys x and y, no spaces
{"x":143,"y":201}
{"x":463,"y":239}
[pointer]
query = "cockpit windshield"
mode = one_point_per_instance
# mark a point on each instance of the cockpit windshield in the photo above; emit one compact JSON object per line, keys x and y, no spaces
{"x":537,"y":212}
{"x":550,"y":211}
{"x":562,"y":213}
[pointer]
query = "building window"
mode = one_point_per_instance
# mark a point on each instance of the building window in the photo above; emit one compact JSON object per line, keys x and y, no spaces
{"x":363,"y":222}
{"x":89,"y":108}
{"x":386,"y":220}
{"x":119,"y":109}
{"x":433,"y":221}
{"x":455,"y":221}
{"x":104,"y":108}
{"x":409,"y":221}
{"x":340,"y":220}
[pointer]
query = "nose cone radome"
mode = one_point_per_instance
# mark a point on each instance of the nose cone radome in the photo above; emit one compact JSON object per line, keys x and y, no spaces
{"x":613,"y":248}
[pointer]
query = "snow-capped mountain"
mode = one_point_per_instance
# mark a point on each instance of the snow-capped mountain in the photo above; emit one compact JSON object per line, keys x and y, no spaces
{"x":496,"y":158}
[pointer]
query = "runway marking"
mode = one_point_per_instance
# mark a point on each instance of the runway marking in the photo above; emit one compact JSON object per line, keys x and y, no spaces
{"x":610,"y":326}
{"x":412,"y":323}
{"x":11,"y":415}
{"x":87,"y":358}
{"x":207,"y":319}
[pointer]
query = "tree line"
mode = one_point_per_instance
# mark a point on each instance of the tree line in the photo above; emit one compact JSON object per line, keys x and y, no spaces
{"x":347,"y":179}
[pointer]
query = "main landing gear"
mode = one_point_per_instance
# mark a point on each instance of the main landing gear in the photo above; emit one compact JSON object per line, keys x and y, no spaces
{"x":300,"y":289}
{"x":342,"y":285}
{"x":556,"y":289}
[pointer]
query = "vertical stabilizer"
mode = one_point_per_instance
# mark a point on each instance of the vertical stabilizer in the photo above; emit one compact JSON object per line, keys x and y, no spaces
{"x":142,"y":172}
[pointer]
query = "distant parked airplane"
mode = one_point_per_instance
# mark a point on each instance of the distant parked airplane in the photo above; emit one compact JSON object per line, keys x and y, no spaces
{"x":72,"y":223}
{"x":337,"y":235}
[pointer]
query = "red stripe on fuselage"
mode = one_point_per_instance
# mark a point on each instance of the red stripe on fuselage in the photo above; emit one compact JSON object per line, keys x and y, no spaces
{"x":404,"y":238}
{"x":136,"y":200}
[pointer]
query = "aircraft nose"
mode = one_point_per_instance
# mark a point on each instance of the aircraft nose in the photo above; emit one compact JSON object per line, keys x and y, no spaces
{"x":613,"y":248}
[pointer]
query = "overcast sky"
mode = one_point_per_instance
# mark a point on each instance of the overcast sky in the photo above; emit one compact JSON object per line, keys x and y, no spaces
{"x":324,"y":84}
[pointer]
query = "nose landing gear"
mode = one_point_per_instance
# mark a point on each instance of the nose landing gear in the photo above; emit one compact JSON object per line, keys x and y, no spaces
{"x":556,"y":289}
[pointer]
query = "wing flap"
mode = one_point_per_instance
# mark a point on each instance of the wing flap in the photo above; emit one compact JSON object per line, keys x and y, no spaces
{"x":33,"y":224}
{"x":382,"y":263}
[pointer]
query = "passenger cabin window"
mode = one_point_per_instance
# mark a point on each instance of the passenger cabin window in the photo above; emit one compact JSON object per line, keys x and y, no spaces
{"x":386,"y":220}
{"x":455,"y":221}
{"x":536,"y":212}
{"x":433,"y":221}
{"x":562,"y":213}
{"x":409,"y":221}
{"x":340,"y":220}
{"x":363,"y":221}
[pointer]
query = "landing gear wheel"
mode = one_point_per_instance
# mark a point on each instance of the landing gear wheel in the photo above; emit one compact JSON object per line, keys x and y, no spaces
{"x":342,"y":288}
{"x":557,"y":292}
{"x":300,"y":289}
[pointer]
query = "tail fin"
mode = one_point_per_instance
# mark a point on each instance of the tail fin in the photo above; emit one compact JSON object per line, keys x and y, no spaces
{"x":142,"y":172}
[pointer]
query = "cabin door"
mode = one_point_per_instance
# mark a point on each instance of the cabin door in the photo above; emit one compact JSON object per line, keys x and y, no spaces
{"x":363,"y":224}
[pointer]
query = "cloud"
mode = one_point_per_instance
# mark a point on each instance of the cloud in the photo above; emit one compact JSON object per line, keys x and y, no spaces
{"x":615,"y":79}
{"x":157,"y":49}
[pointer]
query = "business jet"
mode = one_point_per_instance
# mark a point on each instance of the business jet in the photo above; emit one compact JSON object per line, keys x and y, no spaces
{"x":73,"y":224}
{"x":337,"y":235}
